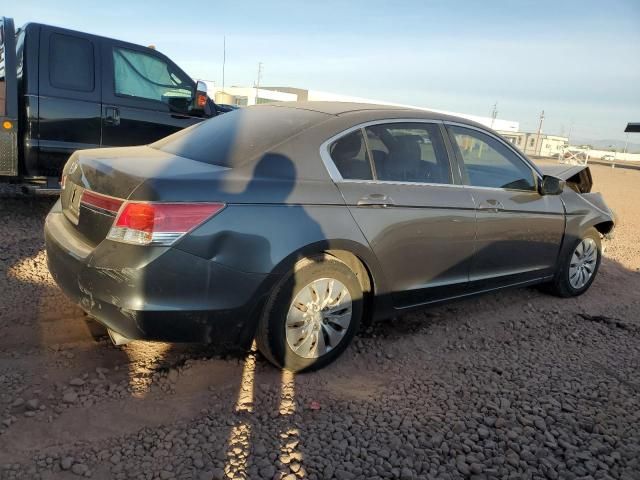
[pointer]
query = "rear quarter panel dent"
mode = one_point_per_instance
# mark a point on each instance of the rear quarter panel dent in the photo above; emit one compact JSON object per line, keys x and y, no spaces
{"x":270,"y":238}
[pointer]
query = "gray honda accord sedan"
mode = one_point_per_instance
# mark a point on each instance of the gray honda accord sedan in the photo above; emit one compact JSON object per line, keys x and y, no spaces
{"x":294,"y":223}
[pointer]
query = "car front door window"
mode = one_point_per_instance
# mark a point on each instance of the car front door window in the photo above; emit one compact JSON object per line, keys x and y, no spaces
{"x":489,"y":163}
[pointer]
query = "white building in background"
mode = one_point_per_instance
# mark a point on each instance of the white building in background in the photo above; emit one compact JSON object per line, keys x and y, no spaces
{"x":541,"y":146}
{"x":245,"y":96}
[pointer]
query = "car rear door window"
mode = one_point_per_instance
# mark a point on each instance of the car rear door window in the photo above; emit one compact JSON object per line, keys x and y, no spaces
{"x":71,"y":64}
{"x":140,"y":75}
{"x":349,"y":154}
{"x":408,"y":152}
{"x":489,"y":163}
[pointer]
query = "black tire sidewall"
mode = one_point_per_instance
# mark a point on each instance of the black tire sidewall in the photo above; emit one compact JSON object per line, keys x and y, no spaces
{"x":275,"y":316}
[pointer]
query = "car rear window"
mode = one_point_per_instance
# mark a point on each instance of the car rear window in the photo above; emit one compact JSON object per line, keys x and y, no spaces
{"x":231,"y":139}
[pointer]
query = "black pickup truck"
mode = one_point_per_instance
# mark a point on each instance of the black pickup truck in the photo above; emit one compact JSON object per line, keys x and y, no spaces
{"x":62,"y":90}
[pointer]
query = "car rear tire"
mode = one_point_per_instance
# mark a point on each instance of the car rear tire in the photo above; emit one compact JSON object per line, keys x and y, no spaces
{"x":311,"y":315}
{"x":579,"y":267}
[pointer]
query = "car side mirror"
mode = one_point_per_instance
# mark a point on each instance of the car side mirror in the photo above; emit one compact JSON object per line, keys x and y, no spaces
{"x":551,"y":185}
{"x":200,"y":100}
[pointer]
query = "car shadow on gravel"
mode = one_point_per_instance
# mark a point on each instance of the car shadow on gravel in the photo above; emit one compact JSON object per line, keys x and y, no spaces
{"x":589,"y":306}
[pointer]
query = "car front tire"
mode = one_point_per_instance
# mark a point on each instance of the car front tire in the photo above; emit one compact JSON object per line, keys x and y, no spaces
{"x":579,"y":267}
{"x":311,"y":315}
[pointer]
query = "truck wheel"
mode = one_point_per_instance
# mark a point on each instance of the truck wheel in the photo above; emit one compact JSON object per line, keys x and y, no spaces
{"x":311,"y":315}
{"x":579,"y":266}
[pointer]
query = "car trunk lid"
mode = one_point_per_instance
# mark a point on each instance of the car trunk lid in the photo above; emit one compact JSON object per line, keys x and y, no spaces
{"x":97,"y":182}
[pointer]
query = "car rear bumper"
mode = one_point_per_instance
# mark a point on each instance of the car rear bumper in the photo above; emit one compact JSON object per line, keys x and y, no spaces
{"x":154,"y":293}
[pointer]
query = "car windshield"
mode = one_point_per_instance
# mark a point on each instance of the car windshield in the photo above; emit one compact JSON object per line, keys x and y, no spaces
{"x":233,"y":138}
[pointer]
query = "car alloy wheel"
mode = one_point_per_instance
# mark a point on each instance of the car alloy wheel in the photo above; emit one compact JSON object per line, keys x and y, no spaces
{"x":318,"y":317}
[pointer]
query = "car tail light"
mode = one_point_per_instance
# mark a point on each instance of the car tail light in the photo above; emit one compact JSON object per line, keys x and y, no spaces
{"x":143,"y":223}
{"x":101,"y":202}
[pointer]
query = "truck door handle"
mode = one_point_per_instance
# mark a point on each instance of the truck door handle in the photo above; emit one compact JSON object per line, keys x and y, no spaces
{"x":375,"y":200}
{"x":112,"y":116}
{"x":491,"y":206}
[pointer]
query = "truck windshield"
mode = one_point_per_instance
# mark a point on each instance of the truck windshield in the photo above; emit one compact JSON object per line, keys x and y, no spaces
{"x":231,"y":139}
{"x":139,"y":75}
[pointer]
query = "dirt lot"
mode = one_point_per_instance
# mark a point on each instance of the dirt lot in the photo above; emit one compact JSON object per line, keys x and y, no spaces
{"x":509,"y":385}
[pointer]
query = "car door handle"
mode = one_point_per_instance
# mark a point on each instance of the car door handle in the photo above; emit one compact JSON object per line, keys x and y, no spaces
{"x":375,"y":200}
{"x":112,"y":116}
{"x":180,"y":116}
{"x":491,"y":206}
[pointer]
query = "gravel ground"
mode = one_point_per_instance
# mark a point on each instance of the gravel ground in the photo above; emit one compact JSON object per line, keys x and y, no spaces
{"x":509,"y":385}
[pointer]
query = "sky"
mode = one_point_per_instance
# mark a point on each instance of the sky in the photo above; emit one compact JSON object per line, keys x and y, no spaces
{"x":579,"y":61}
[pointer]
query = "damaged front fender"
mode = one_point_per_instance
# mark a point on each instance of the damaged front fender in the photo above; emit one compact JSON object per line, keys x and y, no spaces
{"x":586,"y":210}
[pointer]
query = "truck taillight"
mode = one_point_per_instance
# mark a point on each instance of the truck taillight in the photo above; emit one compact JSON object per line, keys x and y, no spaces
{"x":201,"y":100}
{"x":146,"y":223}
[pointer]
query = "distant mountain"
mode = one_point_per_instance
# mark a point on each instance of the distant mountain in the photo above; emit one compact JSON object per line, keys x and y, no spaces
{"x":607,"y":144}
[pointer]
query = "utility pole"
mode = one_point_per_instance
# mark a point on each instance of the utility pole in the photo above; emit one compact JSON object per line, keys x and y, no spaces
{"x":258,"y":80}
{"x":615,"y":155}
{"x":539,"y":132}
{"x":570,"y":129}
{"x":224,"y":57}
{"x":626,"y":143}
{"x":494,"y":113}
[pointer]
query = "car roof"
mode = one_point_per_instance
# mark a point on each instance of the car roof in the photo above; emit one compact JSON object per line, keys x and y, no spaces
{"x":376,"y":111}
{"x":327,"y":119}
{"x":335,"y":108}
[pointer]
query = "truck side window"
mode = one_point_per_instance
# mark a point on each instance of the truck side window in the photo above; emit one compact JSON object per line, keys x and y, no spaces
{"x":71,"y":63}
{"x":139,"y":75}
